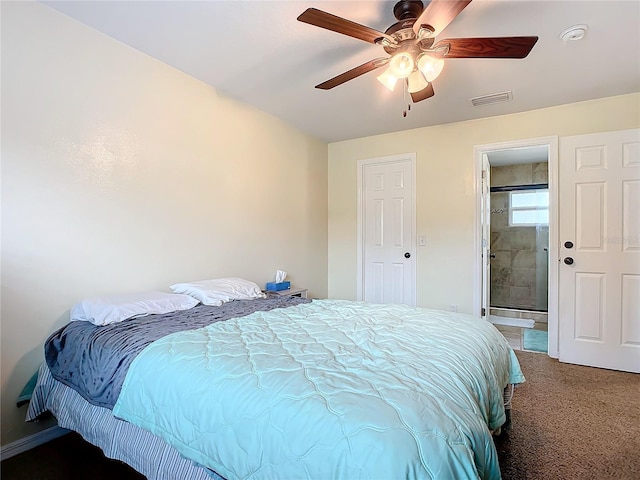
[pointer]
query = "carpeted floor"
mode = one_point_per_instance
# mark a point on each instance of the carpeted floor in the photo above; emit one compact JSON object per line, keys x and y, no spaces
{"x":569,"y":422}
{"x":572,"y":422}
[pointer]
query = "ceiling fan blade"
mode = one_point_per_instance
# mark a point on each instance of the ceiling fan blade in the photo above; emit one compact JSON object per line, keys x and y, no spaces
{"x":321,"y":19}
{"x":439,"y":14}
{"x":489,"y":47}
{"x":423,"y":94}
{"x":353,"y":73}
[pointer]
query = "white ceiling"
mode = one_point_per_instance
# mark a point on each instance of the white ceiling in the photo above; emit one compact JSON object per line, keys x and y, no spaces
{"x":257,"y":52}
{"x":517,"y":156}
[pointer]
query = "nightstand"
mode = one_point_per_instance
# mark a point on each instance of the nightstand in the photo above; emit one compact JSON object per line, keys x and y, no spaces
{"x":291,"y":292}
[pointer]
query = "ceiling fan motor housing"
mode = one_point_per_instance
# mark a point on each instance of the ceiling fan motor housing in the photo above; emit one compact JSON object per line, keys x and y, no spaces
{"x":407,"y":9}
{"x":407,"y":12}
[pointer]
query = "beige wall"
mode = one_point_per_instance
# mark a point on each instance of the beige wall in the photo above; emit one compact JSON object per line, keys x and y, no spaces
{"x":122,"y":174}
{"x":445,"y":189}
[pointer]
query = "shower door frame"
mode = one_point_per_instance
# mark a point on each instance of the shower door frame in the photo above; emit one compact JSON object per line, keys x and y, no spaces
{"x":479,"y":151}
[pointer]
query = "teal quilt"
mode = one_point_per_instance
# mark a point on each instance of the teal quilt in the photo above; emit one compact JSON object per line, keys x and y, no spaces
{"x":328,"y":390}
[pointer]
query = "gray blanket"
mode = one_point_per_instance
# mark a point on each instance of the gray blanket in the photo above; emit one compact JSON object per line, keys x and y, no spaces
{"x":94,"y":360}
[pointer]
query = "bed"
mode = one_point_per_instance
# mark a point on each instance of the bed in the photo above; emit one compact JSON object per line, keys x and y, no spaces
{"x":285,"y":388}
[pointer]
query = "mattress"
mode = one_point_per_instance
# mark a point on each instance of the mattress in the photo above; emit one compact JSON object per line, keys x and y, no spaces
{"x":328,"y":389}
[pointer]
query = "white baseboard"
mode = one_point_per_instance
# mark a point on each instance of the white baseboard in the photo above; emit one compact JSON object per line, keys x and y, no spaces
{"x":32,"y":441}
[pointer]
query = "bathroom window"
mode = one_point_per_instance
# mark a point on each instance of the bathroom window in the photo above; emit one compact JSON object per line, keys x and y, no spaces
{"x":529,"y":208}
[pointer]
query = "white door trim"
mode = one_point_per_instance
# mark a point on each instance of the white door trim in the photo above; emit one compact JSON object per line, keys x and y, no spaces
{"x":478,"y":151}
{"x":411,"y":157}
{"x":485,"y":245}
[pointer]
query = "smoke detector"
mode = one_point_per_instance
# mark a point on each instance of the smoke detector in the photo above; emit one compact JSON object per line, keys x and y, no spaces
{"x":571,"y":34}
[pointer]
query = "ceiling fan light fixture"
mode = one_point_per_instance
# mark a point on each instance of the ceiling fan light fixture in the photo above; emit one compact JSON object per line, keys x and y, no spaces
{"x":401,"y":65}
{"x":416,"y":82}
{"x":431,"y":67}
{"x":388,"y":79}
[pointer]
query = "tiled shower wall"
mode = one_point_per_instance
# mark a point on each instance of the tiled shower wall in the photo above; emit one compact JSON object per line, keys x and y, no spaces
{"x":519,"y":271}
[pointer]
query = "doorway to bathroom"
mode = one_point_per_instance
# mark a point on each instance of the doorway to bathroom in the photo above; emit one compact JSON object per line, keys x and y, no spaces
{"x":518,"y":248}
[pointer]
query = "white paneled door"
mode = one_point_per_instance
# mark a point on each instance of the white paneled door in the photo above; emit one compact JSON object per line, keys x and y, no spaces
{"x":387,"y":230}
{"x":485,"y":221}
{"x":599,"y":233}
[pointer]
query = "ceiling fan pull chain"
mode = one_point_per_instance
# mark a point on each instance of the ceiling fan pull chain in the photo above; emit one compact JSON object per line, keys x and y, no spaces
{"x":404,"y":100}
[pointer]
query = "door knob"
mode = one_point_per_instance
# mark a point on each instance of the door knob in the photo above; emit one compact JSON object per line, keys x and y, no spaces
{"x":407,"y":255}
{"x":492,"y":255}
{"x":568,"y":261}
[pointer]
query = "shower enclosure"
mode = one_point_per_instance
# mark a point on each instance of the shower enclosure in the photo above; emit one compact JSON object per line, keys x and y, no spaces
{"x":519,"y":237}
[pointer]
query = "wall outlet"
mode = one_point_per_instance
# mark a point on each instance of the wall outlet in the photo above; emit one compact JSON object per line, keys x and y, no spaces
{"x":453,"y":307}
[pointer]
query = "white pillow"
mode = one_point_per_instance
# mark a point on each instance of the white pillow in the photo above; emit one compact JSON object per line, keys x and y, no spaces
{"x":105,"y":310}
{"x":220,"y":290}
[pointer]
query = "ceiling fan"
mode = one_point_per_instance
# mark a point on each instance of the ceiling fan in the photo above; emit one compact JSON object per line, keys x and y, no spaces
{"x":415,"y":56}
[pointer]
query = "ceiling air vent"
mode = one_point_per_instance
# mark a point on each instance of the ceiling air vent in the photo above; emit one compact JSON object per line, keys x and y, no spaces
{"x":491,"y":99}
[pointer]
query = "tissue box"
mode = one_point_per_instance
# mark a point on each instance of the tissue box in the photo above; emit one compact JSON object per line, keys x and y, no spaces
{"x":276,"y":287}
